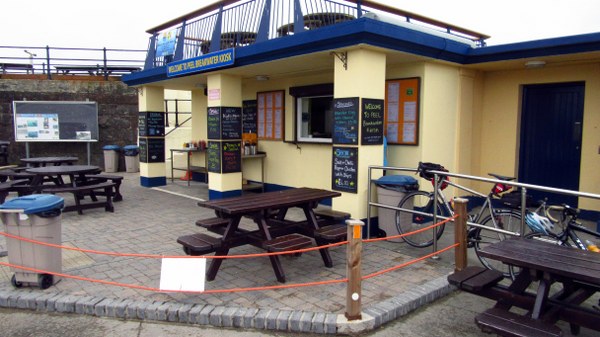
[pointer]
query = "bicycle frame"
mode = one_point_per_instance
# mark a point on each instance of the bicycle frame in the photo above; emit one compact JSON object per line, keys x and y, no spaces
{"x":571,"y":232}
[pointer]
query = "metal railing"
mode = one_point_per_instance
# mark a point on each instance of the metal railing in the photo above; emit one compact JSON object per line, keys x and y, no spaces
{"x":438,"y":174}
{"x":228,"y":24}
{"x":51,"y":61}
{"x":175,"y":103}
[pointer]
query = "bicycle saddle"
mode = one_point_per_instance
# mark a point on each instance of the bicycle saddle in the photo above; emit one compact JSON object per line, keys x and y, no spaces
{"x":499,"y":177}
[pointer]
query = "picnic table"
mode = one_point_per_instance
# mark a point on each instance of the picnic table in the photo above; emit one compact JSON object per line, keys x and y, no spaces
{"x":274,"y":233}
{"x":43,"y":161}
{"x":566,"y":277}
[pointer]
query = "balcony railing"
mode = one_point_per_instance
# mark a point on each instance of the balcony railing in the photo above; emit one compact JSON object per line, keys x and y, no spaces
{"x":52,"y":61}
{"x":238,"y":23}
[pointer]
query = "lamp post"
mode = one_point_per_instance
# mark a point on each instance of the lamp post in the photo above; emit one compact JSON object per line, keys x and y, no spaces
{"x":31,"y":56}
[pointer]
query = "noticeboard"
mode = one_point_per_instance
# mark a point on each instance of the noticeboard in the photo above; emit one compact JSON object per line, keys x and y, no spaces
{"x":344,"y":169}
{"x":345,"y":120}
{"x":371,"y":132}
{"x":55,"y":121}
{"x":402,"y":111}
{"x":152,"y":150}
{"x":151,"y":124}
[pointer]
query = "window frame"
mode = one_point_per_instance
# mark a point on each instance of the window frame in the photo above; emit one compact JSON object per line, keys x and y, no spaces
{"x":309,"y":91}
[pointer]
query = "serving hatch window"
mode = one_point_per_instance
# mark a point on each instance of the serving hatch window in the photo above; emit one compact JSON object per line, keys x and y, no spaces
{"x":314,"y":113}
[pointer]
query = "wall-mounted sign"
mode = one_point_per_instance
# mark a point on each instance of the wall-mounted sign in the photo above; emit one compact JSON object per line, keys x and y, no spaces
{"x":202,"y":63}
{"x":345,"y":120}
{"x":213,"y":160}
{"x":249,"y":117}
{"x":224,"y":123}
{"x":151,"y":124}
{"x":402,"y":111}
{"x":214,"y":94}
{"x":231,"y":157}
{"x":344,"y":169}
{"x":270,"y":114}
{"x":166,"y":43}
{"x":372,"y":122}
{"x":152,"y":150}
{"x":213,"y":123}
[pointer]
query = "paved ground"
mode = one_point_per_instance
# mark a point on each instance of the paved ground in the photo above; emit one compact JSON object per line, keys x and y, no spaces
{"x":149,"y":221}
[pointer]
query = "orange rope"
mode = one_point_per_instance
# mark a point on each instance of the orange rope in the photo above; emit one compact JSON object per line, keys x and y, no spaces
{"x":413,"y":232}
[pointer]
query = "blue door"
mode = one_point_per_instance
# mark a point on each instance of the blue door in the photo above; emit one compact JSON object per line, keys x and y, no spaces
{"x":550,"y":143}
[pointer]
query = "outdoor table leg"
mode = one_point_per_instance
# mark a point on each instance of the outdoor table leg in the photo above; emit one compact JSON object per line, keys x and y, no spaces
{"x":215,"y":264}
{"x":275,"y":263}
{"x":312,"y":220}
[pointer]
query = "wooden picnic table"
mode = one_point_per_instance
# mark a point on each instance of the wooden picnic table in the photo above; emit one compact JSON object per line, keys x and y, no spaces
{"x":573,"y":274}
{"x":274,"y":232}
{"x":43,"y":161}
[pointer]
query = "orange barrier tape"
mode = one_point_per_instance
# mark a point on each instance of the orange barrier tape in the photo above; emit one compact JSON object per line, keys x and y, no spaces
{"x":413,"y":232}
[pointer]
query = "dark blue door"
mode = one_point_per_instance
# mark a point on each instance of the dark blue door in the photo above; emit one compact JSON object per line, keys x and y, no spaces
{"x":550,"y":144}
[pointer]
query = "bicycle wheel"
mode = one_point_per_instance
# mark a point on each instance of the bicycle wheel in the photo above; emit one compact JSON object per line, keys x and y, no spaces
{"x":502,"y":219}
{"x":406,"y":222}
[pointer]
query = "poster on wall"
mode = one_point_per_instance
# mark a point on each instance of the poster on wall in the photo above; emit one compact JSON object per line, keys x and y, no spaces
{"x":344,"y":169}
{"x":37,"y":127}
{"x":402,"y":111}
{"x":270,"y":110}
{"x":345,"y":120}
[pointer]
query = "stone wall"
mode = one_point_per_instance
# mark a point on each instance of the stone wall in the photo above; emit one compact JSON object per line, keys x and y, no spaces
{"x":117,"y":115}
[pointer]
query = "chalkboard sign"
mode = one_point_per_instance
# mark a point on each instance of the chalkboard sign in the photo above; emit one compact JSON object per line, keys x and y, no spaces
{"x":46,"y":121}
{"x":372,"y":122}
{"x":213,"y":123}
{"x":344,"y":169}
{"x":152,"y":150}
{"x":249,"y":117}
{"x":231,"y":157}
{"x":345,"y":120}
{"x":213,"y":160}
{"x":231,"y":123}
{"x":151,"y":124}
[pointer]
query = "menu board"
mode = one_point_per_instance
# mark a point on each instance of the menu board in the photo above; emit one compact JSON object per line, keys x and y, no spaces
{"x":249,"y":117}
{"x":344,"y":169}
{"x":231,"y":123}
{"x":152,"y":150}
{"x":402,"y":111}
{"x":345,"y":120}
{"x":231,"y":157}
{"x":213,"y":123}
{"x":270,"y":113}
{"x":372,"y":122}
{"x":213,"y":151}
{"x":151,"y":124}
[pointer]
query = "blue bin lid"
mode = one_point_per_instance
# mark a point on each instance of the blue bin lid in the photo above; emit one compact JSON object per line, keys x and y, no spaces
{"x":35,"y":203}
{"x":396,"y":180}
{"x":111,"y":147}
{"x":130,"y":147}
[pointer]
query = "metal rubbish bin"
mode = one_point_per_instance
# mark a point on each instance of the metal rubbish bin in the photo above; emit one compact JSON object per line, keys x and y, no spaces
{"x":111,"y":158}
{"x":132,"y":159}
{"x":35,"y":217}
{"x":390,"y":190}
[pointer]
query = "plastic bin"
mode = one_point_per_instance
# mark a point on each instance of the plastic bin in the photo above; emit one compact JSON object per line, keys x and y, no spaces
{"x":111,"y":158}
{"x":390,"y":190}
{"x":132,"y":158}
{"x":36,"y":217}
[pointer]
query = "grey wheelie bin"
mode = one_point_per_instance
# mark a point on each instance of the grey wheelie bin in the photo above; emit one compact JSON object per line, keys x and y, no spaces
{"x":390,"y":190}
{"x":35,"y":217}
{"x":132,"y":159}
{"x":111,"y":158}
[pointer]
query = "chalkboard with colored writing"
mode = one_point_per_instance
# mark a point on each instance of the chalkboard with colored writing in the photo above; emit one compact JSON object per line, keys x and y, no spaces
{"x":152,"y":150}
{"x":345,"y":120}
{"x":213,"y":152}
{"x":344,"y":169}
{"x":231,"y":157}
{"x":151,"y":124}
{"x":231,"y":123}
{"x":249,"y":117}
{"x":372,"y":122}
{"x":213,"y":123}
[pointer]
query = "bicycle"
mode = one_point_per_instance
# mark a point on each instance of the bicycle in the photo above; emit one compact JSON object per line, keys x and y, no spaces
{"x":421,"y":204}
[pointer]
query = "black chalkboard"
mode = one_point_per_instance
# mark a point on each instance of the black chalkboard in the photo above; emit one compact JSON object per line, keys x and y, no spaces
{"x":372,"y":122}
{"x":151,"y":124}
{"x":249,"y":117}
{"x":231,"y":123}
{"x":213,"y":123}
{"x":345,"y":120}
{"x":344,"y":169}
{"x":213,"y":152}
{"x":48,"y":121}
{"x":231,"y":157}
{"x":152,"y":150}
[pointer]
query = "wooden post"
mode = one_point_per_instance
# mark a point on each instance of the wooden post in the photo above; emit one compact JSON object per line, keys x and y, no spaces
{"x":353,"y":269}
{"x":460,"y":233}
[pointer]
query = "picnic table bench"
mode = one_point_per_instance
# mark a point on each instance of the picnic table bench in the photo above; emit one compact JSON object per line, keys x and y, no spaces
{"x":16,"y":66}
{"x":573,"y":273}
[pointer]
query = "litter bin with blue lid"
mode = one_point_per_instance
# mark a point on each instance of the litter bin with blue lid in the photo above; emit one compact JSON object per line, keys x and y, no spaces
{"x":132,"y":159}
{"x":34,"y":217}
{"x":390,"y":191}
{"x":111,"y":158}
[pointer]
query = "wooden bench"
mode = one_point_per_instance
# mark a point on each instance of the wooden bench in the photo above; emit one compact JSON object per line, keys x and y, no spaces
{"x":80,"y":191}
{"x":10,"y":186}
{"x":473,"y":279}
{"x":16,"y":66}
{"x":117,"y":180}
{"x":506,"y":323}
{"x":199,"y":244}
{"x":331,"y":215}
{"x":332,"y":233}
{"x":212,"y":223}
{"x":286,"y":243}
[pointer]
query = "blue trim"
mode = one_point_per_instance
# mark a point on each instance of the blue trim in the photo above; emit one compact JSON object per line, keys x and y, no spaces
{"x":153,"y":181}
{"x":212,"y":194}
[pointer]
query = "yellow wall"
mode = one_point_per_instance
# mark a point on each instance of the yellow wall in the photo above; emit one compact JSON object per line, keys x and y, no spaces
{"x":500,"y":115}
